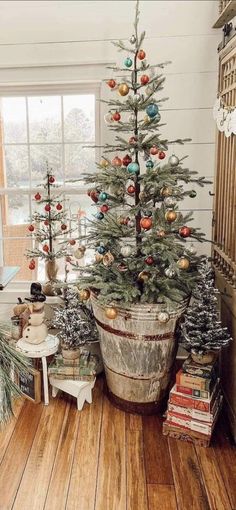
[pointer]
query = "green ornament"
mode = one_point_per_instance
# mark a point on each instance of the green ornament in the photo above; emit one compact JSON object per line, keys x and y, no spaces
{"x":193,"y":193}
{"x":128,"y":62}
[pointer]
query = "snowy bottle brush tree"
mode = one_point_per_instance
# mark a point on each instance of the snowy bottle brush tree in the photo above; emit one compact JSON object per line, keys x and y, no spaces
{"x":138,"y":232}
{"x":202,"y":330}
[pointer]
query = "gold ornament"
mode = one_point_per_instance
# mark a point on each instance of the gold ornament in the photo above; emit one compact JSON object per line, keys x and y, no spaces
{"x":143,"y":276}
{"x":161,"y":233}
{"x":104,"y":163}
{"x":79,"y":253}
{"x":123,"y":89}
{"x":111,"y":313}
{"x":166,"y":192}
{"x":108,"y":259}
{"x":170,"y":216}
{"x":98,"y":257}
{"x":183,"y":263}
{"x":84,"y":294}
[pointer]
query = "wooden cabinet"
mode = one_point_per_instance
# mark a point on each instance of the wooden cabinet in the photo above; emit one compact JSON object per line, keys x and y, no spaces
{"x":224,"y":228}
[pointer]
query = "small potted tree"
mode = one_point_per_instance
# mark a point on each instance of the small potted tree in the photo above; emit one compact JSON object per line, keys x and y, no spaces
{"x":201,"y":332}
{"x":75,"y":323}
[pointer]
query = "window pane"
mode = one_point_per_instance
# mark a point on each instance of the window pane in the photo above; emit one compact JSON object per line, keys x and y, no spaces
{"x":14,"y":119}
{"x":44,"y":119}
{"x":16,"y":166}
{"x":15,"y":211}
{"x":78,"y":160}
{"x":79,"y":118}
{"x":41,"y":155}
{"x":13,"y":253}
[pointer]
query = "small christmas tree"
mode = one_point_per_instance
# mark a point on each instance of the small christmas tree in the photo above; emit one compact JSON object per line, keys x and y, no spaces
{"x":202,"y":330}
{"x":75,"y":321}
{"x":11,"y":362}
{"x":47,"y":226}
{"x":139,"y":233}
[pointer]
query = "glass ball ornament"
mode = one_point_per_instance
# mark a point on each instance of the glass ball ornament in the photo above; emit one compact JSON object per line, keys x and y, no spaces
{"x":111,"y":312}
{"x":149,"y":260}
{"x":101,"y":250}
{"x":104,"y":163}
{"x":126,"y":250}
{"x":123,"y":89}
{"x":173,"y":160}
{"x":170,"y":201}
{"x":111,"y":83}
{"x":108,"y":118}
{"x":126,"y":160}
{"x":84,"y":294}
{"x":141,"y":55}
{"x":133,"y":168}
{"x":103,"y":196}
{"x":170,"y":273}
{"x":117,"y":161}
{"x":193,"y":193}
{"x":152,"y":110}
{"x":128,"y":62}
{"x":149,"y":163}
{"x":146,"y":223}
{"x":185,"y":231}
{"x":163,"y":317}
{"x":170,"y":216}
{"x":143,"y":276}
{"x":192,"y":250}
{"x":99,"y":215}
{"x":104,"y":208}
{"x":116,"y":116}
{"x":183,"y":263}
{"x":166,"y":191}
{"x":98,"y":257}
{"x":132,"y":39}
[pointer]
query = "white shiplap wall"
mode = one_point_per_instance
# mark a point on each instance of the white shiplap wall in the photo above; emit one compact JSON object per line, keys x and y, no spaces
{"x":54,"y":41}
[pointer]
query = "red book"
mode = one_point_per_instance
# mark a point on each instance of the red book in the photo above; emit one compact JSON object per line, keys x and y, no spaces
{"x":187,"y":401}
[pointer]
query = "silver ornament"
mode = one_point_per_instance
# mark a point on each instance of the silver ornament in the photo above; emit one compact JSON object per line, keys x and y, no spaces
{"x":192,"y":249}
{"x":173,"y":160}
{"x":170,"y":273}
{"x":169,"y":201}
{"x":163,"y":317}
{"x":126,"y":250}
{"x":132,"y":39}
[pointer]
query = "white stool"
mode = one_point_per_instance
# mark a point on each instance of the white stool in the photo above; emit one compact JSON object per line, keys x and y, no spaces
{"x":46,"y":348}
{"x":82,"y":390}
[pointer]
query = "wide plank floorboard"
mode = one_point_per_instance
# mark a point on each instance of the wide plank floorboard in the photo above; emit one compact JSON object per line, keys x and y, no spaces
{"x":58,"y":458}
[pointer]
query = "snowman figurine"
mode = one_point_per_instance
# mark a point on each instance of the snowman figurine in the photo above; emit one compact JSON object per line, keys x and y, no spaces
{"x":34,"y":329}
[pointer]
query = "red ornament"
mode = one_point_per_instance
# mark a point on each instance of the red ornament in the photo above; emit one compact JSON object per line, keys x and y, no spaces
{"x":144,"y":79}
{"x":72,"y":242}
{"x":185,"y":231}
{"x":63,"y":226}
{"x":46,"y":222}
{"x":51,"y":179}
{"x":104,"y":208}
{"x":141,"y":54}
{"x":47,"y":207}
{"x":32,"y":265}
{"x":59,"y":207}
{"x":46,"y":248}
{"x":94,"y":195}
{"x":116,"y":116}
{"x":132,"y":140}
{"x":154,"y":150}
{"x":127,"y":160}
{"x":161,"y":155}
{"x":116,"y":161}
{"x":111,"y":83}
{"x":131,"y":189}
{"x":31,"y":228}
{"x":146,"y":223}
{"x":149,"y":260}
{"x":37,"y":196}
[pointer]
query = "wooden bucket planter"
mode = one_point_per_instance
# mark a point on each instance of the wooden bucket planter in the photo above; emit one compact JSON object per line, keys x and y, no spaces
{"x":138,"y":354}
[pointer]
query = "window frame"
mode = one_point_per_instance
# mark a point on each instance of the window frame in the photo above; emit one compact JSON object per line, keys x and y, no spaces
{"x":53,"y":89}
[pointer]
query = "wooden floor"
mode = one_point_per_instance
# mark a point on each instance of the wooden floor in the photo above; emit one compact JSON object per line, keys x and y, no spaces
{"x":57,"y":458}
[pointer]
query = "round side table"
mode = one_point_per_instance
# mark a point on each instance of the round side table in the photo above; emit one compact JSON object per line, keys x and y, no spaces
{"x":46,"y":348}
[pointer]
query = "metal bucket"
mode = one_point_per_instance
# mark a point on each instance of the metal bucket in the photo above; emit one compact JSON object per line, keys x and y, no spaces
{"x":138,"y":354}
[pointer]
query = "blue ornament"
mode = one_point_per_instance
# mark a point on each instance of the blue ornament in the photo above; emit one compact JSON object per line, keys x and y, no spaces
{"x":99,"y":215}
{"x":128,"y":62}
{"x":133,"y":168}
{"x":101,"y":249}
{"x":149,"y":163}
{"x":103,"y":196}
{"x":152,"y":110}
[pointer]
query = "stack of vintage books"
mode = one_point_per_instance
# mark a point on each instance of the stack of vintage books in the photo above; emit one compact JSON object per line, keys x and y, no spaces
{"x":194,"y":403}
{"x":80,"y":369}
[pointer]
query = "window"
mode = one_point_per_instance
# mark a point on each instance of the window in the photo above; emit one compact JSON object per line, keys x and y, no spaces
{"x":36,"y":131}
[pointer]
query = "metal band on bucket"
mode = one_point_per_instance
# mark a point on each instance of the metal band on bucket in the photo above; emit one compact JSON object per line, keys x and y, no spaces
{"x":152,"y":338}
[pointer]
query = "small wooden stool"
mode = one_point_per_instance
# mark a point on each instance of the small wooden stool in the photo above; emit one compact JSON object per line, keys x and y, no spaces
{"x":82,"y":390}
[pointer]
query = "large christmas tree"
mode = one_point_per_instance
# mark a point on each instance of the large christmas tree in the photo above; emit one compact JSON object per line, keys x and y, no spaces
{"x":139,"y":233}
